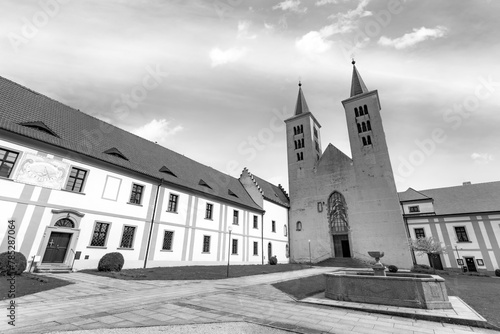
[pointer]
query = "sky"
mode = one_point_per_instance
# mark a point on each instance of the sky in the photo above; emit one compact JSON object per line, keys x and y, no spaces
{"x":214,"y":80}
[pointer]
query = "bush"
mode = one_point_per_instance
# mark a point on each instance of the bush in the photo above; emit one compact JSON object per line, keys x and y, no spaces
{"x":421,"y":266}
{"x":16,"y":266}
{"x":273,"y":260}
{"x":393,"y":268}
{"x":111,"y":262}
{"x":497,"y":272}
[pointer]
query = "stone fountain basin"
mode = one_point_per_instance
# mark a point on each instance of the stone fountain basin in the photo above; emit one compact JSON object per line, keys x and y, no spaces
{"x":404,"y":290}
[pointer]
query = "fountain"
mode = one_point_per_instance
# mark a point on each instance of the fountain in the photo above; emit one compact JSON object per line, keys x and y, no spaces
{"x":378,"y":287}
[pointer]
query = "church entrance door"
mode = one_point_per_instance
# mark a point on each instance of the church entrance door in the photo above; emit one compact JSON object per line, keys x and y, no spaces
{"x":341,"y":245}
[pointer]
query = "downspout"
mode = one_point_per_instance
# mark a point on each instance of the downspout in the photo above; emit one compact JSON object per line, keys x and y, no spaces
{"x":262,"y":238}
{"x":152,"y":222}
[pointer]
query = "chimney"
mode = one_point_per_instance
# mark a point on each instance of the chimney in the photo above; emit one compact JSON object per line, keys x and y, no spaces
{"x":467,"y":183}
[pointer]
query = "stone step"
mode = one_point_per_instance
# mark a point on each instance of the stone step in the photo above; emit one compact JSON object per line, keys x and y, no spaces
{"x":53,"y":269}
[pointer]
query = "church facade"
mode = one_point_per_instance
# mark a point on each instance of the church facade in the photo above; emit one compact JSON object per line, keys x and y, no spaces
{"x":342,"y":206}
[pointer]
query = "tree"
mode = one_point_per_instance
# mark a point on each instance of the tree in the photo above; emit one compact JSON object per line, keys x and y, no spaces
{"x":427,"y":246}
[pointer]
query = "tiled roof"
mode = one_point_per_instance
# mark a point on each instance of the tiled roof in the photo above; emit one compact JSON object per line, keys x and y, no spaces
{"x":79,"y":132}
{"x":269,"y":191}
{"x":473,"y":198}
{"x":412,"y":195}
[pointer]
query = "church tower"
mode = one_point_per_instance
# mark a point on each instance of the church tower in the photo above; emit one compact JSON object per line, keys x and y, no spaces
{"x":377,"y":222}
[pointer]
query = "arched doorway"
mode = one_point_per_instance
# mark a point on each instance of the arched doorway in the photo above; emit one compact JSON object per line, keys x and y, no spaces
{"x":339,"y":224}
{"x":58,"y":241}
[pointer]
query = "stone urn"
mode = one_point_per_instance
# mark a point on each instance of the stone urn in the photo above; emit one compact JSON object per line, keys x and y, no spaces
{"x":378,"y":267}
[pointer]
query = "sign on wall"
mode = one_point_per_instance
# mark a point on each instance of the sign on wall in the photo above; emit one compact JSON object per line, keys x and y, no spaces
{"x":42,"y":171}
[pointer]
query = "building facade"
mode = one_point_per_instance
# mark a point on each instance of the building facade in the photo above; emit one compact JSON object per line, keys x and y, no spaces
{"x":464,"y":219}
{"x":342,"y":206}
{"x":76,"y":188}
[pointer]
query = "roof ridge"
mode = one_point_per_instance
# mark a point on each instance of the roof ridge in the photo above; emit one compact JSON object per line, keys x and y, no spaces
{"x":461,"y":186}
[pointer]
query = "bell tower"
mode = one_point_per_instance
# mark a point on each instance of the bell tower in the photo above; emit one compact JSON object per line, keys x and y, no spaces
{"x":303,"y":143}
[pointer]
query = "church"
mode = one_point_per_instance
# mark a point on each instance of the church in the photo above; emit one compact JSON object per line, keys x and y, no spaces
{"x":342,"y":206}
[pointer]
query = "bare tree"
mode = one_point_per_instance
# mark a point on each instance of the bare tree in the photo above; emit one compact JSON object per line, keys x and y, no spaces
{"x":427,"y":246}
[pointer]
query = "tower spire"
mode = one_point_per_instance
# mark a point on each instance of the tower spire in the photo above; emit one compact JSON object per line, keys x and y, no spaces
{"x":357,"y":84}
{"x":301,"y":106}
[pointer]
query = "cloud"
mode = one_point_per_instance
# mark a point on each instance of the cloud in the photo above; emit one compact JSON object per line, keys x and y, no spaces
{"x":413,"y":38}
{"x":313,"y":42}
{"x":326,"y":2}
{"x":243,"y":27}
{"x":221,"y":57}
{"x":482,"y":158}
{"x":157,"y":130}
{"x":291,"y":5}
{"x":317,"y":41}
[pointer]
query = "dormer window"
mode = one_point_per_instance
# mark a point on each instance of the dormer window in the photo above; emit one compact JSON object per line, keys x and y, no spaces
{"x":40,"y":126}
{"x":230,"y":193}
{"x":115,"y":152}
{"x":204,"y":184}
{"x":165,"y":170}
{"x":414,"y":208}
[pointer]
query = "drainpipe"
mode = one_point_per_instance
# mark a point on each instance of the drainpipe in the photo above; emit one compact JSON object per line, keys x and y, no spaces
{"x":152,"y":222}
{"x":262,"y":237}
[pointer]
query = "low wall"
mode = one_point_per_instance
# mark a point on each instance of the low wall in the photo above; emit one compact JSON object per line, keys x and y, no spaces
{"x":404,"y":290}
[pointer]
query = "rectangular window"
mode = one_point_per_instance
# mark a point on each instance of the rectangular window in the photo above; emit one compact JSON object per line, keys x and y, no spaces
{"x":461,"y":234}
{"x":136,"y":195}
{"x":172,"y":203}
{"x":208,"y":211}
{"x":235,"y":217}
{"x":100,"y":233}
{"x":317,"y":145}
{"x":7,"y":161}
{"x":255,"y":248}
{"x":414,"y":208}
{"x":168,"y":238}
{"x":128,"y":237}
{"x":206,"y":244}
{"x":255,"y":222}
{"x":235,"y":246}
{"x":315,"y":132}
{"x":419,"y":233}
{"x":76,"y":180}
{"x":273,"y":226}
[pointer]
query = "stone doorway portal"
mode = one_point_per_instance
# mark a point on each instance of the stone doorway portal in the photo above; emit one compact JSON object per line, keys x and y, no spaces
{"x":341,"y":245}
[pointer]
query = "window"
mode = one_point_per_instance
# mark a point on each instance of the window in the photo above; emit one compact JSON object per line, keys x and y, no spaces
{"x":100,"y":233}
{"x":302,"y":142}
{"x":208,"y":211}
{"x":315,"y":132}
{"x":7,"y":161}
{"x":369,"y":140}
{"x":299,"y":226}
{"x":366,"y":109}
{"x":414,"y":208}
{"x":235,"y":246}
{"x":368,"y":125}
{"x":337,"y":213}
{"x":206,"y":244}
{"x":301,"y":155}
{"x":235,"y":217}
{"x":359,"y":128}
{"x":419,"y":233}
{"x":255,"y":248}
{"x":172,"y":203}
{"x":127,"y":237}
{"x":360,"y":111}
{"x":65,"y":222}
{"x":461,"y":234}
{"x":364,"y":141}
{"x":255,"y":222}
{"x":356,"y":112}
{"x":294,"y":130}
{"x":295,"y":142}
{"x":317,"y":145}
{"x":285,"y":232}
{"x":273,"y":226}
{"x":363,"y":125}
{"x":168,"y":237}
{"x":136,"y":195}
{"x":76,"y":180}
{"x":301,"y":129}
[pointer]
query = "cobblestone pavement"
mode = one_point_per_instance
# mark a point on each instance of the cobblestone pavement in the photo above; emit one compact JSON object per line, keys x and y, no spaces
{"x":95,"y":302}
